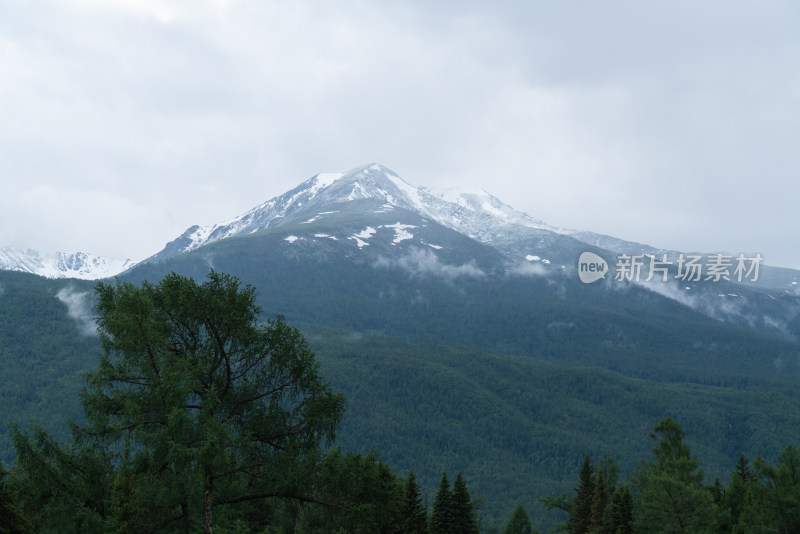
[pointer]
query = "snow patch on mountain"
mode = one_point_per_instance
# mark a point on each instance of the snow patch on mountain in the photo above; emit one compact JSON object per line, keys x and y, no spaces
{"x":318,"y":216}
{"x":323,"y":180}
{"x":366,"y":233}
{"x":400,"y":232}
{"x":412,"y":194}
{"x":384,"y":209}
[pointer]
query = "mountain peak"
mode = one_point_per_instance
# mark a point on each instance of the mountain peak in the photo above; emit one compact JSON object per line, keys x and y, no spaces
{"x":470,"y":211}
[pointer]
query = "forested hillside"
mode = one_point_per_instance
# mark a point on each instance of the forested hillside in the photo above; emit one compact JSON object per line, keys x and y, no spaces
{"x":43,"y":352}
{"x":517,"y":425}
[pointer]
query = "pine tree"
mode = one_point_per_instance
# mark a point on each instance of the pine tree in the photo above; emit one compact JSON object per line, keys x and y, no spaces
{"x":442,"y":516}
{"x":604,"y":487}
{"x":581,"y":516}
{"x":776,"y":496}
{"x":743,"y":469}
{"x":738,"y":498}
{"x":671,"y":494}
{"x":622,"y":512}
{"x":415,"y":517}
{"x":464,"y":520}
{"x":599,"y":501}
{"x":519,"y":523}
{"x":218,"y":406}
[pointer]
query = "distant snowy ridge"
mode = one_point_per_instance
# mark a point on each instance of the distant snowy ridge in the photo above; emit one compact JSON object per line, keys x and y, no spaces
{"x":78,"y":265}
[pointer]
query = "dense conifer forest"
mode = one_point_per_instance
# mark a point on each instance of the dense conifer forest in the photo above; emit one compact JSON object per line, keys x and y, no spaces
{"x":359,"y":432}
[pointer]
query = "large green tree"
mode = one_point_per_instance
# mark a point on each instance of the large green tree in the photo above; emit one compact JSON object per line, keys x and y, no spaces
{"x":215,"y":407}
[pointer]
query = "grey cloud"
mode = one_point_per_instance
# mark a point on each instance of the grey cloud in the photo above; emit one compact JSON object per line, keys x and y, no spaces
{"x":422,"y":262}
{"x":669,"y":124}
{"x":723,"y":307}
{"x":529,"y":268}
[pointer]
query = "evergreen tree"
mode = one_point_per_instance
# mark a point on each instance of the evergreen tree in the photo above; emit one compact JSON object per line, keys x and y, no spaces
{"x":415,"y":516}
{"x":60,"y":488}
{"x":603,"y":491}
{"x":519,"y":523}
{"x":464,"y":520}
{"x":580,"y":517}
{"x":354,"y":493}
{"x":744,"y":470}
{"x":599,"y":500}
{"x":777,"y":496}
{"x":737,"y":498}
{"x":622,"y":512}
{"x":219,"y":405}
{"x":216,"y":410}
{"x":671,"y":495}
{"x":442,"y":515}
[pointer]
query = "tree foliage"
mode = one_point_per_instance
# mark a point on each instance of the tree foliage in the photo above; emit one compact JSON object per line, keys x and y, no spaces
{"x":11,"y":520}
{"x":464,"y":516}
{"x":196,"y":409}
{"x":519,"y":523}
{"x":672,"y":497}
{"x":218,"y":408}
{"x":414,"y":514}
{"x":581,"y":515}
{"x":442,"y":515}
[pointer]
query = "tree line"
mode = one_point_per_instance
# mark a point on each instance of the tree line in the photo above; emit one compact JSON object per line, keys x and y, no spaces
{"x":667,"y":494}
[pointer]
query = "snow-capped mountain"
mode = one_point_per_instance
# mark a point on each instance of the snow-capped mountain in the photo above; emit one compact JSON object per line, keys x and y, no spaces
{"x":60,"y":264}
{"x":471,"y":212}
{"x":371,"y":215}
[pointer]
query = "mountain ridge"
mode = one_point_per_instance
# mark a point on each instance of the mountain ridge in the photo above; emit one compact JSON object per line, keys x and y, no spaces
{"x":472,"y":212}
{"x":432,"y":332}
{"x":79,"y":265}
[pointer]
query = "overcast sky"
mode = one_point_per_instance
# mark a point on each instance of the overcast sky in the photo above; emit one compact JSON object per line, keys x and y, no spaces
{"x":677,"y":124}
